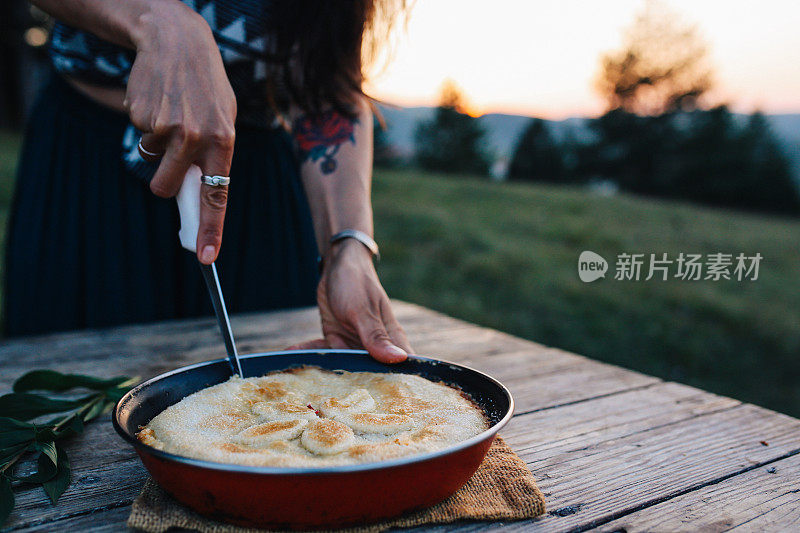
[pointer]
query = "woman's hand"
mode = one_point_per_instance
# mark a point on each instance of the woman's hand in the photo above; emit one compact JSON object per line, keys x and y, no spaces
{"x":178,"y":93}
{"x":354,"y":308}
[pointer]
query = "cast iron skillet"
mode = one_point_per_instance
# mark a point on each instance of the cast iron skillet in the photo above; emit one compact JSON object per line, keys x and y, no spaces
{"x":307,"y":498}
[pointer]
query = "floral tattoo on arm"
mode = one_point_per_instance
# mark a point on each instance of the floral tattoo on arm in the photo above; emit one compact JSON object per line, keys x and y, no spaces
{"x":319,"y":137}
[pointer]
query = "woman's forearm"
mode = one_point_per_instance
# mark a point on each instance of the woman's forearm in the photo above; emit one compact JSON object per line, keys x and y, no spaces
{"x":336,"y":169}
{"x":122,"y":22}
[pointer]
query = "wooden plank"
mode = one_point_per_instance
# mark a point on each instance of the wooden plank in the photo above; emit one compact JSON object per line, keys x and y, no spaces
{"x":183,"y":342}
{"x":627,"y":475}
{"x":551,"y":432}
{"x":256,"y":332}
{"x":133,"y":352}
{"x":538,"y":376}
{"x":106,"y":474}
{"x":99,"y":521}
{"x":150,"y":350}
{"x":269,"y":329}
{"x":766,"y":498}
{"x":596,"y":480}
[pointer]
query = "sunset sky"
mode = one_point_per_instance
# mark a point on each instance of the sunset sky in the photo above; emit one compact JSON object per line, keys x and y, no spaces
{"x":539,"y":58}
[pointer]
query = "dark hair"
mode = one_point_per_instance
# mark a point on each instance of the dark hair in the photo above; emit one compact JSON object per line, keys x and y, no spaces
{"x":324,"y":46}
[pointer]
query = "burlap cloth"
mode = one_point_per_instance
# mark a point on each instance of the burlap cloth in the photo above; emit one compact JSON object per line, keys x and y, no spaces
{"x":502,"y":489}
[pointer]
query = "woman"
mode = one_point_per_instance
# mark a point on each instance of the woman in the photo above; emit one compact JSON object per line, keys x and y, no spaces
{"x":205,"y":83}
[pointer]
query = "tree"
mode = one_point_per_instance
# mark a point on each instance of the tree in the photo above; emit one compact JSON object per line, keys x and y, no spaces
{"x":537,"y":155}
{"x":722,"y":163}
{"x":656,"y":139}
{"x":704,"y":156}
{"x":452,"y":140}
{"x":631,"y":150}
{"x":773,"y":186}
{"x":662,"y":66}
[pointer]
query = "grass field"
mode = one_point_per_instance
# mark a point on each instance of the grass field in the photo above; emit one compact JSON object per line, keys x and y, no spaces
{"x":9,"y":149}
{"x":505,"y":256}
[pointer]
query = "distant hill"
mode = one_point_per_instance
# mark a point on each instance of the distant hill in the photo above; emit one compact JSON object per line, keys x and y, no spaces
{"x":400,"y":124}
{"x":503,"y":131}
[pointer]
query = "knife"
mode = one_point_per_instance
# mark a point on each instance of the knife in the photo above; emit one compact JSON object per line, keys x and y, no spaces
{"x":189,"y":208}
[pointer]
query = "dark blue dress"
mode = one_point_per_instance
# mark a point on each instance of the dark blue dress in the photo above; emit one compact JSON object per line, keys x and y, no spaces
{"x":89,"y":246}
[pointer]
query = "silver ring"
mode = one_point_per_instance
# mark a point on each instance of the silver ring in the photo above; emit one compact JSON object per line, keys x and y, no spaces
{"x":145,"y":152}
{"x":215,"y":181}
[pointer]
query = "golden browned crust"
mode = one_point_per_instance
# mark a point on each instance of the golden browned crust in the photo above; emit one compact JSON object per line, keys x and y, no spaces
{"x":233,"y":448}
{"x":272,"y":427}
{"x":146,"y":435}
{"x":291,"y":408}
{"x":271,"y":391}
{"x":328,"y":431}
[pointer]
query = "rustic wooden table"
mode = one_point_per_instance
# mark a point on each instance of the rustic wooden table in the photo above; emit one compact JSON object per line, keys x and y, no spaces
{"x":613,"y":450}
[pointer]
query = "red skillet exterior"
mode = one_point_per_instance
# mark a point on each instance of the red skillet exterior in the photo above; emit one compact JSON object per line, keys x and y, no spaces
{"x":310,"y":498}
{"x":315,"y":500}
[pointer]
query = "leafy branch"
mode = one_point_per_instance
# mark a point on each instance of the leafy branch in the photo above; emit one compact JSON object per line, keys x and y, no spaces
{"x":19,"y":437}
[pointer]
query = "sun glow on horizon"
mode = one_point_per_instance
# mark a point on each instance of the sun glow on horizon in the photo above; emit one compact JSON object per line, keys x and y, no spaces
{"x":539,"y":59}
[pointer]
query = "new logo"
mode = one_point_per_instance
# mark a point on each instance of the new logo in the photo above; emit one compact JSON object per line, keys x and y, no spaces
{"x":591,"y":266}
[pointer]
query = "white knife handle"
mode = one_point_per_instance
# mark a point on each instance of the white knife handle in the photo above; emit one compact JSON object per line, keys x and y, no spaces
{"x":189,"y":208}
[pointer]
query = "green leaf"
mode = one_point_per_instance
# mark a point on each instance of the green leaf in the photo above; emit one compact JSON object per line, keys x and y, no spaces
{"x":55,"y":487}
{"x":49,"y":449}
{"x":45,"y":471}
{"x":6,"y":499}
{"x":116,"y":393}
{"x":45,"y":433}
{"x":129,"y":382}
{"x":9,"y":454}
{"x":25,"y":406}
{"x":14,"y":432}
{"x":50,"y":380}
{"x":96,"y":410}
{"x":74,"y":426}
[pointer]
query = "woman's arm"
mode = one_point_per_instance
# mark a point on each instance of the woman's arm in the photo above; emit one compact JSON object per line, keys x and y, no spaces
{"x":335,"y":154}
{"x":336,"y":168}
{"x":115,"y":22}
{"x":178,"y":94}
